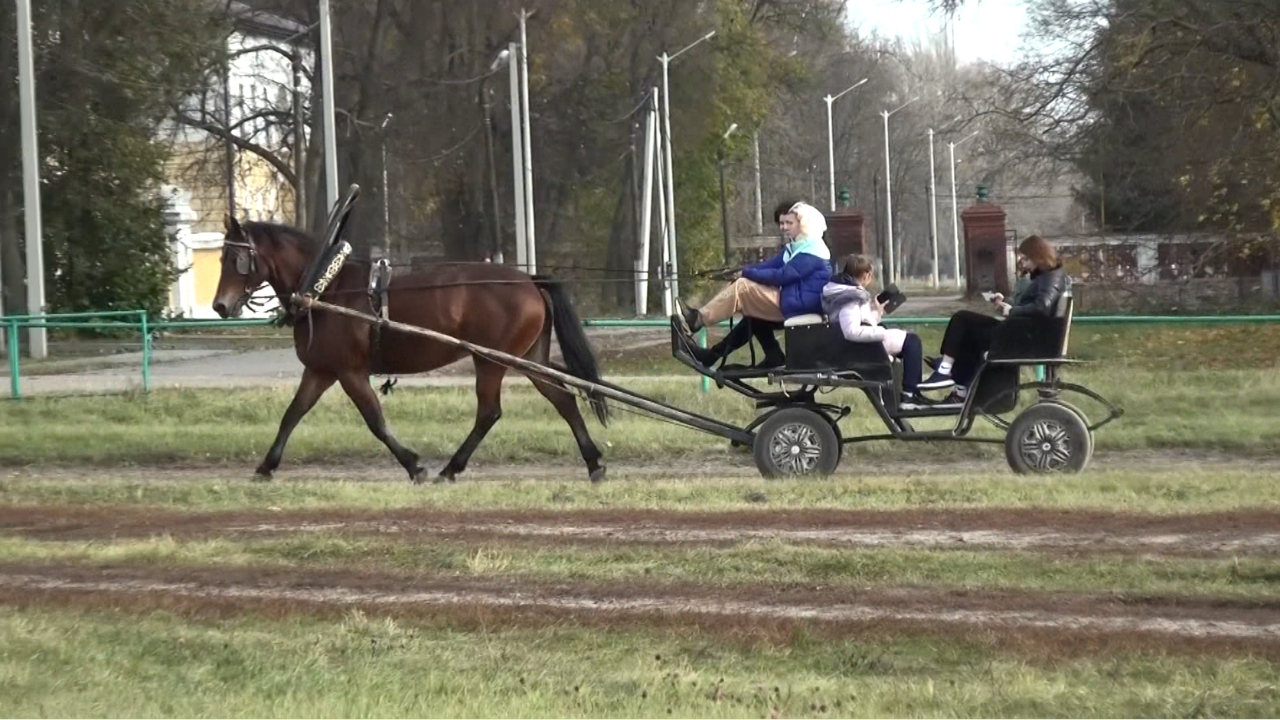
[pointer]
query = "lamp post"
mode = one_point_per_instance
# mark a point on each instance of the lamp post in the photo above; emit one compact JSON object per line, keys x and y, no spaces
{"x":955,"y":213}
{"x":37,"y":337}
{"x":517,"y":160}
{"x":502,"y":59}
{"x":527,"y":146}
{"x":724,"y":208}
{"x":326,"y":97}
{"x":888,"y":189}
{"x":386,"y":206}
{"x":831,"y":142}
{"x":933,"y":213}
{"x":666,"y":59}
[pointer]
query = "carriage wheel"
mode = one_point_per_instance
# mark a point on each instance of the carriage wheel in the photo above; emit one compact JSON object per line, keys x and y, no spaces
{"x":1048,"y":437}
{"x":796,"y":442}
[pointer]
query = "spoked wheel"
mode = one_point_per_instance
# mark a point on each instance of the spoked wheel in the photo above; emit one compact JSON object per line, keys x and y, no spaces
{"x":1048,"y":438}
{"x":796,"y":442}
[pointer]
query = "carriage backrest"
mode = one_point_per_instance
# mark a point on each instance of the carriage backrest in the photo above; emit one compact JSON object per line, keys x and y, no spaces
{"x":822,"y":346}
{"x":1066,"y":310}
{"x":1035,"y":338}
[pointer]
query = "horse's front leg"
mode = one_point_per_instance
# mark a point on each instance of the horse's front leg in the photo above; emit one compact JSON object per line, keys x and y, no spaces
{"x":313,"y":385}
{"x":363,"y":395}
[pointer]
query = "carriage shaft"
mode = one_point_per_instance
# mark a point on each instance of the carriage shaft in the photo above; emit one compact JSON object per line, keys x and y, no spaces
{"x":607,"y":390}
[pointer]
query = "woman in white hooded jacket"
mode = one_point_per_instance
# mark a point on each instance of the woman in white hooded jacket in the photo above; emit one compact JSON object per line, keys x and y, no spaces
{"x":848,"y":303}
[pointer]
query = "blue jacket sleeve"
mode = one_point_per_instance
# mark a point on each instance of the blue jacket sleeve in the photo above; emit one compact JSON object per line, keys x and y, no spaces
{"x":772,"y":263}
{"x":800,"y":267}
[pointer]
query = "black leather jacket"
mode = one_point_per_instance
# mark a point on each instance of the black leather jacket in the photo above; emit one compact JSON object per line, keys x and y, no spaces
{"x":1040,"y":299}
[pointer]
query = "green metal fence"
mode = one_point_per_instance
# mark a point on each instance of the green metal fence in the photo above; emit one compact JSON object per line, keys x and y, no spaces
{"x":137,"y":320}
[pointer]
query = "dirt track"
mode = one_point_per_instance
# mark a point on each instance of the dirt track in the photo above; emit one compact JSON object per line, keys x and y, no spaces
{"x":1153,"y":619}
{"x":1038,"y":620}
{"x":1207,"y":534}
{"x":725,"y":464}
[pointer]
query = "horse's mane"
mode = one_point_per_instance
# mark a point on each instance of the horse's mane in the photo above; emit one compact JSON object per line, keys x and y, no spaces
{"x":279,"y":234}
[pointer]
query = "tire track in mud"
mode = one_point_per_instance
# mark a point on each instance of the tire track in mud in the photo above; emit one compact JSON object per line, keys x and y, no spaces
{"x":1209,"y":543}
{"x":718,"y":462}
{"x":1204,"y":622}
{"x":1081,"y":532}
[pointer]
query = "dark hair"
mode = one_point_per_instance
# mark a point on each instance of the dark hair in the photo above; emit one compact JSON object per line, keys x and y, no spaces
{"x":855,"y":266}
{"x":783,"y":208}
{"x":1040,"y":252}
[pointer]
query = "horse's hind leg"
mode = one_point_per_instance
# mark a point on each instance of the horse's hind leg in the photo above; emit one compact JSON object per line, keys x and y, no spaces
{"x":567,"y":405}
{"x":488,"y":410}
{"x":313,"y":385}
{"x":363,"y":395}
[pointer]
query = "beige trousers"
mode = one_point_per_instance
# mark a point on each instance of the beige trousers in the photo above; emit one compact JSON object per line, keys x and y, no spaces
{"x":743,"y":297}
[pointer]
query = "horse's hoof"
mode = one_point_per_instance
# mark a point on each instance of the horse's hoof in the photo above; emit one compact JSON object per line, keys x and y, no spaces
{"x":262,"y":475}
{"x":445,"y":477}
{"x":597,"y":475}
{"x":418,"y":475}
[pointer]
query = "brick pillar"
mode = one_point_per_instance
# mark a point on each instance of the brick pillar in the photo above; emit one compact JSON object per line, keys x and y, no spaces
{"x":985,"y":247}
{"x":846,"y":233}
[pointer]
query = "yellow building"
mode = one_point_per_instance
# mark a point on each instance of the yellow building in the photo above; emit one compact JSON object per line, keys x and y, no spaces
{"x":260,"y":77}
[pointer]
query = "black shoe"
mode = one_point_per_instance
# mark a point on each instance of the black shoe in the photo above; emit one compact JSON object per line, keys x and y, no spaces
{"x":953,"y":399}
{"x":682,"y":327}
{"x":912,"y":401}
{"x":768,"y":362}
{"x":937,"y":381}
{"x":692,"y":318}
{"x":706,"y":357}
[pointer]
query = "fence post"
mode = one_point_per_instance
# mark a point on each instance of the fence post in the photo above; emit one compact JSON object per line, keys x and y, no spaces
{"x":146,"y":352}
{"x":14,"y":385}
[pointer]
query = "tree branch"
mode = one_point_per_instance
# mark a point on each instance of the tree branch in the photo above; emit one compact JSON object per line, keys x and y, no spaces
{"x":225,"y":135}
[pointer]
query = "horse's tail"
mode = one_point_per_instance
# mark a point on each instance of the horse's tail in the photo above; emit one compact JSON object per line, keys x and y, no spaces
{"x":578,"y":356}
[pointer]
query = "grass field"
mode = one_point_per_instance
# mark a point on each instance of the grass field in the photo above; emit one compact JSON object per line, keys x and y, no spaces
{"x":1203,"y":409}
{"x":320,"y":597}
{"x":101,"y":663}
{"x":142,"y":575}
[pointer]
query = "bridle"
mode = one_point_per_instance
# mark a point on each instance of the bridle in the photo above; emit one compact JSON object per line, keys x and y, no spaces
{"x":246,"y":263}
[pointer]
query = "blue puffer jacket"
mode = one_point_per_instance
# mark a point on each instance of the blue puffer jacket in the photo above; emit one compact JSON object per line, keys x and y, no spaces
{"x":801,"y":280}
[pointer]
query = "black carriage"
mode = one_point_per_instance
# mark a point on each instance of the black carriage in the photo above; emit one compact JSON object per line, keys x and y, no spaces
{"x":796,"y":433}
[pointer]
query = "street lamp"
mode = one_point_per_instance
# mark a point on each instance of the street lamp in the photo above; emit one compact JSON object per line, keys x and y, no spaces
{"x":666,"y":59}
{"x":955,"y":213}
{"x":888,"y":188}
{"x":386,"y":207}
{"x":933,"y":213}
{"x":724,"y":210}
{"x":831,"y":143}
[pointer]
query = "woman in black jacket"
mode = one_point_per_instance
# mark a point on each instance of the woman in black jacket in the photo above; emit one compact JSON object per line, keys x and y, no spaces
{"x":968,"y":335}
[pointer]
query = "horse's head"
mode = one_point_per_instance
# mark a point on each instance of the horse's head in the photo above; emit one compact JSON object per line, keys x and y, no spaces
{"x":243,"y":270}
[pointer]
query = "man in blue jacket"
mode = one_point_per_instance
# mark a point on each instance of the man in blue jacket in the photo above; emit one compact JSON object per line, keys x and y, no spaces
{"x":787,"y":285}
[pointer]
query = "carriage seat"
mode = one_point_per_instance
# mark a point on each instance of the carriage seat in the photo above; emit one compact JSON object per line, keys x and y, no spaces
{"x":806,"y":319}
{"x":1034,"y":339}
{"x":821,"y":346}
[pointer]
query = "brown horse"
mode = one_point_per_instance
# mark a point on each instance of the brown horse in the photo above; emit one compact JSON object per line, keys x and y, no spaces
{"x":493,"y":306}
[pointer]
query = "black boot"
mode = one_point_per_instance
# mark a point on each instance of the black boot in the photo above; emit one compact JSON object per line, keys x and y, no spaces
{"x":692,"y":318}
{"x":706,"y":357}
{"x":772,"y":359}
{"x":773,"y":355}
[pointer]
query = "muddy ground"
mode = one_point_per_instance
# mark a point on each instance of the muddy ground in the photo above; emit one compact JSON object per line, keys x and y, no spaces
{"x":1044,"y":619}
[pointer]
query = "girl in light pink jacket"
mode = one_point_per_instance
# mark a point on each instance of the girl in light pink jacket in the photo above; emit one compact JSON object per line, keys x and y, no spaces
{"x":848,"y":303}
